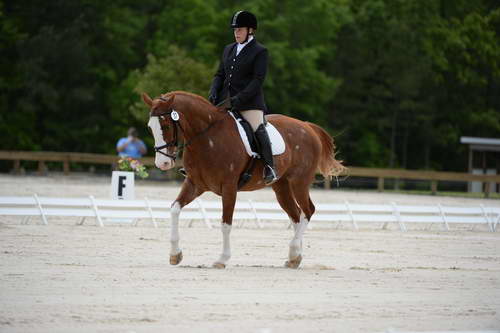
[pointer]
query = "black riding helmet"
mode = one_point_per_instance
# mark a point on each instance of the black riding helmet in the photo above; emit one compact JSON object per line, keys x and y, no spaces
{"x":244,"y":19}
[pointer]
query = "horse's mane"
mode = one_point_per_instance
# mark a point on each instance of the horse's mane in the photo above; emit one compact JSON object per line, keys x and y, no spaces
{"x":185,"y":93}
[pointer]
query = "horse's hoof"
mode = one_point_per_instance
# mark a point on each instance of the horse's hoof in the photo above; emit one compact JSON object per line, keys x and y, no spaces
{"x":176,"y":258}
{"x":294,"y":263}
{"x":219,"y":265}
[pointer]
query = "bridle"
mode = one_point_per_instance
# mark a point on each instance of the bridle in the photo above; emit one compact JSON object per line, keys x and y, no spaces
{"x":175,"y":141}
{"x":174,"y":117}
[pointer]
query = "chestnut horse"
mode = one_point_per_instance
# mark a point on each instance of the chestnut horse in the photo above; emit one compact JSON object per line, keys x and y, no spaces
{"x":214,"y":158}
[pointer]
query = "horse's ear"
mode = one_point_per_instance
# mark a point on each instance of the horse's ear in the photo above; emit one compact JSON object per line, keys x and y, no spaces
{"x":147,"y":99}
{"x":167,"y":103}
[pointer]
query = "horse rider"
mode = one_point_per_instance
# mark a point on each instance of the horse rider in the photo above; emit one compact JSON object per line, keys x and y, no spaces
{"x":240,"y":76}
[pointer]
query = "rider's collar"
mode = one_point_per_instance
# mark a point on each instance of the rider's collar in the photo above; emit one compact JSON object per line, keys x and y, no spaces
{"x":249,"y":39}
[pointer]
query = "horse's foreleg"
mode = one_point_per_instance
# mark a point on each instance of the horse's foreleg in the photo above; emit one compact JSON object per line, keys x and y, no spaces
{"x":188,"y":193}
{"x":226,"y":247}
{"x":228,"y":202}
{"x":175,"y":251}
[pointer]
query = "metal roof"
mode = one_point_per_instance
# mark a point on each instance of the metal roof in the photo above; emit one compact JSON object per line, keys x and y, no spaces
{"x":483,"y":144}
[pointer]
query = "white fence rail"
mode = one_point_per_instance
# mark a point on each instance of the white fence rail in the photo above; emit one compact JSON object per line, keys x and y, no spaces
{"x":132,"y":211}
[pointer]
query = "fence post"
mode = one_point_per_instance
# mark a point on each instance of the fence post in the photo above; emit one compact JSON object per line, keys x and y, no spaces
{"x":17,"y":167}
{"x":486,"y":219}
{"x":66,"y":167}
{"x":434,"y":187}
{"x":328,"y":183}
{"x":204,"y":213}
{"x":42,"y":214}
{"x":254,"y":211}
{"x":349,"y":210}
{"x":486,"y":189}
{"x":150,"y":210}
{"x":443,"y":217}
{"x":96,"y":211}
{"x":41,"y":167}
{"x":397,"y":214}
{"x":380,"y":184}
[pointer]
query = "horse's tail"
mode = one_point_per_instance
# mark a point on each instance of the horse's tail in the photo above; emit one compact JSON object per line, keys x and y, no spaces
{"x":328,"y":165}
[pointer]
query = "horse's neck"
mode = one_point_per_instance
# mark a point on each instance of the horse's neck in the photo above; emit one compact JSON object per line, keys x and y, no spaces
{"x":199,"y":120}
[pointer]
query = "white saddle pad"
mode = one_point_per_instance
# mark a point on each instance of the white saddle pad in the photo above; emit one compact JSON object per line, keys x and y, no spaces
{"x":277,"y":142}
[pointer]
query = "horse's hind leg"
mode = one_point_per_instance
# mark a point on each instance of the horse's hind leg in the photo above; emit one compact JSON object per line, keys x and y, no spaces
{"x":188,"y":193}
{"x":300,"y":192}
{"x":287,"y":202}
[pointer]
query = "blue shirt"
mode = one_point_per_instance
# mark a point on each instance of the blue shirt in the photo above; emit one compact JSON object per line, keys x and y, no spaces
{"x":133,"y":149}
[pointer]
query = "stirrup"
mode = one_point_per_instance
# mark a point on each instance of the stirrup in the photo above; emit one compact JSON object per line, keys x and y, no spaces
{"x":270,"y":177}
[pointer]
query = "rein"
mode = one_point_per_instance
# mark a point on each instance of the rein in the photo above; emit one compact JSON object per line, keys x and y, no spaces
{"x":174,"y":117}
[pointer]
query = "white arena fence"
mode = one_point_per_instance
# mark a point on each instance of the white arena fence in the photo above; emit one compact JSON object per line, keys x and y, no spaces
{"x":393,"y":331}
{"x":210,"y":212}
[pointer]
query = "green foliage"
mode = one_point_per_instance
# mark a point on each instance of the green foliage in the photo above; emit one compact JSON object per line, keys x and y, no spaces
{"x":189,"y":24}
{"x":298,"y":84}
{"x":16,"y":129}
{"x":397,"y":81}
{"x":370,"y":150}
{"x":417,"y":72}
{"x":176,"y":71}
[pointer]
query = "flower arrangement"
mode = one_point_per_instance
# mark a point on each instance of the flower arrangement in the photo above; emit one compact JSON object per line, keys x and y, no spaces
{"x":130,"y":164}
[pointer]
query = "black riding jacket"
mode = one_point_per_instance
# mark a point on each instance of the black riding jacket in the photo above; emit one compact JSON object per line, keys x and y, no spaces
{"x":242,"y":76}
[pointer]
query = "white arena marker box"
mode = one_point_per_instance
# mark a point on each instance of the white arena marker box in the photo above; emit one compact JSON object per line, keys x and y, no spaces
{"x":122,"y":185}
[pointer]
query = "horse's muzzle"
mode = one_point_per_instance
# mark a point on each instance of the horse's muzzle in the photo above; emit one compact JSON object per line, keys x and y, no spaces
{"x":164,"y":163}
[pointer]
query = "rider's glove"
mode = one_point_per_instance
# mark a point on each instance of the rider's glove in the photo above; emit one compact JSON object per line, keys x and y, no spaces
{"x":235,"y":101}
{"x":212,"y":98}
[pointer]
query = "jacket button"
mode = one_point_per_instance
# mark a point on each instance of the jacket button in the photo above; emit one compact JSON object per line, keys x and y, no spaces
{"x":232,"y":67}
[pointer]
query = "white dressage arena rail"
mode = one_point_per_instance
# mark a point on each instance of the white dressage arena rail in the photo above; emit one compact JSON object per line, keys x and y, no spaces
{"x":393,"y":331}
{"x":132,"y":211}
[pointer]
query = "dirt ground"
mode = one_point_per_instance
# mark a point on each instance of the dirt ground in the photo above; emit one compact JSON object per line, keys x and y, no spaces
{"x":68,"y":278}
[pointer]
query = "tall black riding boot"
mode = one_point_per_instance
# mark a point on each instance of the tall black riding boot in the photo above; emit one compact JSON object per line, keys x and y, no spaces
{"x":266,"y":153}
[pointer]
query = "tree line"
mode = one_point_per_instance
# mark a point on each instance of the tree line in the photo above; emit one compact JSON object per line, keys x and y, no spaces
{"x":396,"y":82}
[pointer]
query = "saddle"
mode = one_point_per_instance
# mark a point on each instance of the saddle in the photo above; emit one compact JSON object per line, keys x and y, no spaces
{"x":247,"y":136}
{"x":247,"y":128}
{"x":252,"y":145}
{"x":250,"y":141}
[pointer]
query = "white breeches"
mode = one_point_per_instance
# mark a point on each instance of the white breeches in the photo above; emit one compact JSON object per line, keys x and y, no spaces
{"x":254,"y":117}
